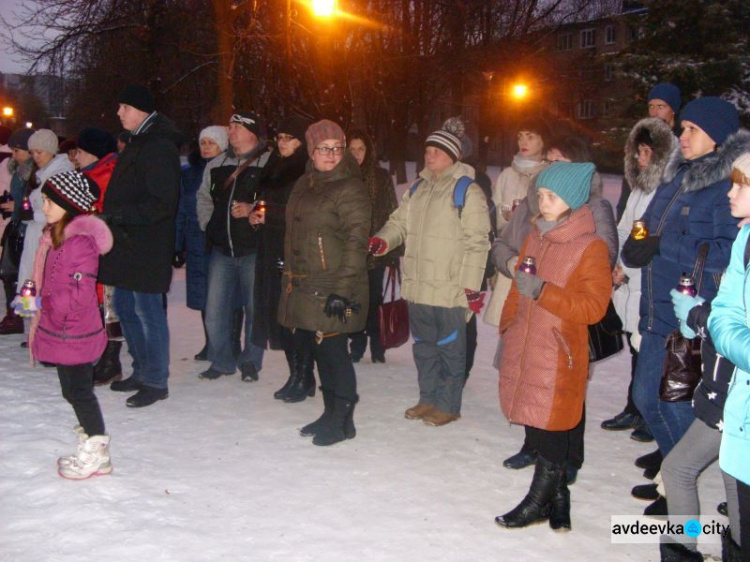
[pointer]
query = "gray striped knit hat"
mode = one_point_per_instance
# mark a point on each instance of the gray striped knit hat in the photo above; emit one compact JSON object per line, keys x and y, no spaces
{"x":72,"y":191}
{"x":448,"y":139}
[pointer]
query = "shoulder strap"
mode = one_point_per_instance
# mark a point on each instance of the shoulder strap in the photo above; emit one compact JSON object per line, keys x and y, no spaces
{"x":414,"y":186}
{"x":459,"y":192}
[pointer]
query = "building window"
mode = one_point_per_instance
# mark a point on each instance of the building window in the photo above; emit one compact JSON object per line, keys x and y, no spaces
{"x":588,"y":38}
{"x":634,"y":33}
{"x":586,"y":109}
{"x":609,"y":35}
{"x":565,"y":42}
{"x":609,"y":72}
{"x":607,"y":108}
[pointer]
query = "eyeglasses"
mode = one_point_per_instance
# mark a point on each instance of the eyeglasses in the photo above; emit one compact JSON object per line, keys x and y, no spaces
{"x":237,"y":118}
{"x":326,"y":150}
{"x":285,"y":138}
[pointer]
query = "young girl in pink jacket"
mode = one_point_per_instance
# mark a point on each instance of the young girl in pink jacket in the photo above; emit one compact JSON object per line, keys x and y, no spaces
{"x":67,"y":328}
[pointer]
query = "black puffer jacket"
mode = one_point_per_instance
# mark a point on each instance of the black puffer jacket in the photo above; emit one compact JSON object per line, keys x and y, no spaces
{"x":276,"y":184}
{"x":140,"y":207}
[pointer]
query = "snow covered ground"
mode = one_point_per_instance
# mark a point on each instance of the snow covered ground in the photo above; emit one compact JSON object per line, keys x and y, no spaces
{"x":218,"y":471}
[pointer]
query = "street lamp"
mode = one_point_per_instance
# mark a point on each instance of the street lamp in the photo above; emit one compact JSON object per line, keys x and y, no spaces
{"x":7,"y":111}
{"x":324,"y":8}
{"x":520,"y":91}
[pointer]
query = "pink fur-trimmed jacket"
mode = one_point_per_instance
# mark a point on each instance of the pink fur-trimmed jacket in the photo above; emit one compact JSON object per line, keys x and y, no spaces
{"x":69,"y":330}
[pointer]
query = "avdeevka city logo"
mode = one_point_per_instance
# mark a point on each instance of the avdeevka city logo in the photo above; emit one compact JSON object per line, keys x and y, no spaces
{"x":693,"y":528}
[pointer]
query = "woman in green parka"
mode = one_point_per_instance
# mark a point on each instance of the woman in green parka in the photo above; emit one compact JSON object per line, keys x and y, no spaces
{"x":324,"y":290}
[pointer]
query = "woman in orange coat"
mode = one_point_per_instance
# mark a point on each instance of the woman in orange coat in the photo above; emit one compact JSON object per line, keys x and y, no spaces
{"x":544,"y":328}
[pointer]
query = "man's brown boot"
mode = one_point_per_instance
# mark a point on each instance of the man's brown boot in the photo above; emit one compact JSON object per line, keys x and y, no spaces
{"x":419,"y":411}
{"x":437,"y":418}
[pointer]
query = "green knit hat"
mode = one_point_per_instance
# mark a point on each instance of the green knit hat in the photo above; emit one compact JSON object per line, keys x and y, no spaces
{"x":571,"y":181}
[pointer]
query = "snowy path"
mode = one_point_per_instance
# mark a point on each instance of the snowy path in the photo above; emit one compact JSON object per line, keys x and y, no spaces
{"x":218,"y":472}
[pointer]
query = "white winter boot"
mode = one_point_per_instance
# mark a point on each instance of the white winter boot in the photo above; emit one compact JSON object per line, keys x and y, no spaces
{"x":81,"y":437}
{"x":92,"y":459}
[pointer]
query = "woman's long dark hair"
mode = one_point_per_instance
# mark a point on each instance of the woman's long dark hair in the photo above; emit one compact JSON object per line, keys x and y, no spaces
{"x":367,"y":166}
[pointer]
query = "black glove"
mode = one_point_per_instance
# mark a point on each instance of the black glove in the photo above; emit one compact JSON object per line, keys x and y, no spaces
{"x":639,"y":253}
{"x":340,"y":307}
{"x":178,"y":260}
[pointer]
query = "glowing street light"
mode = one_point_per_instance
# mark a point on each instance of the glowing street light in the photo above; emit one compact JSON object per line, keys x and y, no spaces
{"x":520,"y":91}
{"x":324,"y":8}
{"x":7,"y":111}
{"x":29,"y":125}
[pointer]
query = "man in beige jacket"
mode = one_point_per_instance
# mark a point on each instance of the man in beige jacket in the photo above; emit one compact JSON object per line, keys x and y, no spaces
{"x":446,"y":241}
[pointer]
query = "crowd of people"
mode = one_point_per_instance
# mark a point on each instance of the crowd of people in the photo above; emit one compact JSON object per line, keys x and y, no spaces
{"x":287,"y":238}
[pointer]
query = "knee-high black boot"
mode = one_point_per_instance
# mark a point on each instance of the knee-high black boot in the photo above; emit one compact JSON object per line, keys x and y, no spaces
{"x":536,"y":506}
{"x":313,"y":428}
{"x":292,"y":360}
{"x":303,"y":379}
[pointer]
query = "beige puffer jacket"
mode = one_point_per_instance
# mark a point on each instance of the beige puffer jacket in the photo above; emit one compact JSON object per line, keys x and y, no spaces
{"x":444,"y":253}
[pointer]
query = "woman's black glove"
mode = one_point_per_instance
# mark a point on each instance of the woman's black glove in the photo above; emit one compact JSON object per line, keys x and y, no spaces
{"x":639,"y":253}
{"x":340,"y":307}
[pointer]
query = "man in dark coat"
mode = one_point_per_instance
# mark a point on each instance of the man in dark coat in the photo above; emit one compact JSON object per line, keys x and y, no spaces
{"x":140,"y":207}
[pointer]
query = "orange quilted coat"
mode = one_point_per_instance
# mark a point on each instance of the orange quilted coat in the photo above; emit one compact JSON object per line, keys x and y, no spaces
{"x":545,"y":358}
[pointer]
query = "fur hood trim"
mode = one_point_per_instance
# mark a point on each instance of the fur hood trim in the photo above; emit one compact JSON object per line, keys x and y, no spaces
{"x":713,"y":167}
{"x":93,"y":227}
{"x":665,"y":145}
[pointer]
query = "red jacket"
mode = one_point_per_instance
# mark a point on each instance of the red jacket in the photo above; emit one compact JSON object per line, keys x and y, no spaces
{"x":101,"y":172}
{"x":545,"y":357}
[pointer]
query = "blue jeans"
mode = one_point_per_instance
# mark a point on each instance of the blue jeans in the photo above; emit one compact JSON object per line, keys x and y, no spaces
{"x":225,"y":276}
{"x":144,"y":325}
{"x":667,"y":421}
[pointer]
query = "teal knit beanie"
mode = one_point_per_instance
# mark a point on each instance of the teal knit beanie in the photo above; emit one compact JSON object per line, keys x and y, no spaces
{"x":571,"y":181}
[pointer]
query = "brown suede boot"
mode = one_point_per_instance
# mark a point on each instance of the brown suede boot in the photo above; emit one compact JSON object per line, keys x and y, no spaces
{"x":436,"y":418}
{"x":419,"y":411}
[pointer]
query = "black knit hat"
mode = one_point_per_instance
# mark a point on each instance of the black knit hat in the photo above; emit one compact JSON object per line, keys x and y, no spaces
{"x":72,"y":191}
{"x":96,"y":142}
{"x":138,"y":97}
{"x":251,"y":121}
{"x":20,"y":139}
{"x":294,"y":125}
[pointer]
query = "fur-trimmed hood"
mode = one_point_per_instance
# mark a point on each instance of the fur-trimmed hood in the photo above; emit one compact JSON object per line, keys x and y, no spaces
{"x":664,"y":149}
{"x":711,"y":168}
{"x":93,"y":227}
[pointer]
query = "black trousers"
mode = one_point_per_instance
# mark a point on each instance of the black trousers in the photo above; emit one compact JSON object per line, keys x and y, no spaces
{"x":335,"y":366}
{"x":537,"y":440}
{"x":372,"y":328}
{"x":77,"y":384}
{"x":471,"y":343}
{"x":743,"y":495}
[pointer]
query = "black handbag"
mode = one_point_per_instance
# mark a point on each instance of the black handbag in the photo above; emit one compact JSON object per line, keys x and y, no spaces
{"x":682,"y":364}
{"x":605,"y":337}
{"x":12,"y":242}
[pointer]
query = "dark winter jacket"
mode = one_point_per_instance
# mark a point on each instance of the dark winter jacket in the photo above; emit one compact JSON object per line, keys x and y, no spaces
{"x":689,"y":209}
{"x":328,"y":223}
{"x":384,"y":202}
{"x":70,"y":329}
{"x":276,"y":183}
{"x":140,"y":208}
{"x":189,"y":236}
{"x":228,"y":235}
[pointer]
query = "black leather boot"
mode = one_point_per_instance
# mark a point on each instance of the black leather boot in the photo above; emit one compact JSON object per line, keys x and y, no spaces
{"x":303,"y":384}
{"x":313,"y":428}
{"x":675,"y":552}
{"x":537,"y":505}
{"x":292,"y":360}
{"x":332,"y":430}
{"x":730,"y":550}
{"x":559,"y":518}
{"x":108,"y":369}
